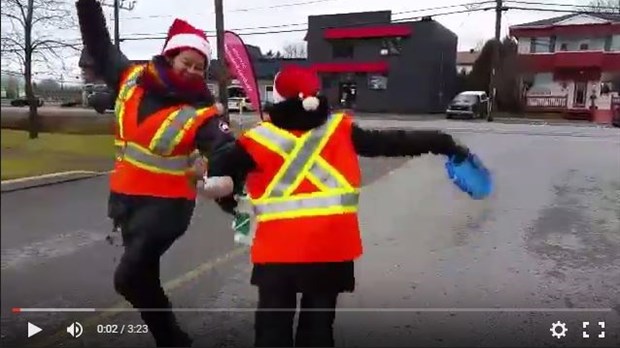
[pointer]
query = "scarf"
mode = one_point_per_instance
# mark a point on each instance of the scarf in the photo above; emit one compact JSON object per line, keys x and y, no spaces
{"x":159,"y":77}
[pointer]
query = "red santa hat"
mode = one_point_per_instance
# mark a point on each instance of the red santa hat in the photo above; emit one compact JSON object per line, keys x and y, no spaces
{"x":183,"y":35}
{"x":297,"y":82}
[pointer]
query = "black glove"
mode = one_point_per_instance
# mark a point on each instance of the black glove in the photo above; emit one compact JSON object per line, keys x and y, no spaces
{"x":460,"y":153}
{"x":228,"y":204}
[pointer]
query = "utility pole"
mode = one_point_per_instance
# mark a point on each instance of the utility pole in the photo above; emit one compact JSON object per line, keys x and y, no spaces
{"x":495,"y":66}
{"x":119,"y":5}
{"x":223,"y":78}
{"x":117,"y":35}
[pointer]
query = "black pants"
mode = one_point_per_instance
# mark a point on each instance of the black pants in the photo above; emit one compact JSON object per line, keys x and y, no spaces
{"x":149,"y":226}
{"x":314,"y":327}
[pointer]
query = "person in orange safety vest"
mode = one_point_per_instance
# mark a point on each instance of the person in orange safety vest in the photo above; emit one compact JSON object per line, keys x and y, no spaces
{"x":303,"y":180}
{"x":164,"y":113}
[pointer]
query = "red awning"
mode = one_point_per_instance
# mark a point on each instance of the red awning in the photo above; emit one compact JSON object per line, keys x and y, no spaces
{"x":367,"y":32}
{"x":578,"y":60}
{"x":611,"y":61}
{"x":605,"y":61}
{"x":352,"y":67}
{"x":567,"y":30}
{"x":586,"y":74}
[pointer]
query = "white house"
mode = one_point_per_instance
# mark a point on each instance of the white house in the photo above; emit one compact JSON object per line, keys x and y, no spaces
{"x":571,"y":64}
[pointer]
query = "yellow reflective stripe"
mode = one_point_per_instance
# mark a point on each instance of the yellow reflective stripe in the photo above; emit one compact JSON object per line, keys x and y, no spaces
{"x":306,"y":213}
{"x":333,"y":172}
{"x":131,"y":153}
{"x":180,"y":135}
{"x":254,"y":135}
{"x":341,"y":200}
{"x":125,"y":93}
{"x":302,"y":196}
{"x":173,"y":129}
{"x":279,"y":131}
{"x":162,"y":129}
{"x":317,"y":182}
{"x":276,"y":179}
{"x":153,"y":168}
{"x":331,"y":127}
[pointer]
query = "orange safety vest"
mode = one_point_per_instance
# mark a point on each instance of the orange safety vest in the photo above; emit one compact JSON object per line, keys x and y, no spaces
{"x":304,"y":193}
{"x":154,"y":156}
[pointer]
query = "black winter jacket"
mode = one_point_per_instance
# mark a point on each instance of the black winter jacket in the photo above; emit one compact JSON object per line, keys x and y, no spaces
{"x":232,"y":159}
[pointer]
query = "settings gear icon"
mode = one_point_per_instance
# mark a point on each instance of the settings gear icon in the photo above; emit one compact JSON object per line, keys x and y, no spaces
{"x":558,"y":333}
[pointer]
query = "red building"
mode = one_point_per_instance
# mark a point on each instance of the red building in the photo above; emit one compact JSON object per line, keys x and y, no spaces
{"x":571,"y":64}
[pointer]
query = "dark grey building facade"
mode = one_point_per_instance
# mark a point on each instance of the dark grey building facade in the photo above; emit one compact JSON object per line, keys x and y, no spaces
{"x":370,"y":64}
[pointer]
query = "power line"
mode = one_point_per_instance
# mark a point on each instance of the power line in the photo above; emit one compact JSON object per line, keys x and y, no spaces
{"x":518,"y":8}
{"x":466,"y":5}
{"x":158,"y":37}
{"x":561,"y":5}
{"x":412,"y":18}
{"x":551,"y":10}
{"x":281,"y":6}
{"x":302,"y":3}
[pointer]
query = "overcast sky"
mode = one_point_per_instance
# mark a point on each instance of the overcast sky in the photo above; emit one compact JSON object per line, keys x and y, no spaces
{"x":153,"y":17}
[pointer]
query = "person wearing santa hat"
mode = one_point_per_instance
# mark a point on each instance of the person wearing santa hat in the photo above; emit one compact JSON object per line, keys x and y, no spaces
{"x":303,"y":179}
{"x":164,"y":112}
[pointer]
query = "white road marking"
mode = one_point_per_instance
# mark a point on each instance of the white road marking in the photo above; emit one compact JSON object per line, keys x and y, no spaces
{"x":52,"y":175}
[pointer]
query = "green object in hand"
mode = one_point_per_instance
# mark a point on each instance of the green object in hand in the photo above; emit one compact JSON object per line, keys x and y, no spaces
{"x":241,"y":225}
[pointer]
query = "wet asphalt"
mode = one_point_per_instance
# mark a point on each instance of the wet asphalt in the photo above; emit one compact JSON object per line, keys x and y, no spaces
{"x":439,"y":269}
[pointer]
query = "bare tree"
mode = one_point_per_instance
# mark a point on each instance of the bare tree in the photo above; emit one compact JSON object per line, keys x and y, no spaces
{"x":603,"y":6}
{"x":28,"y":28}
{"x":295,"y":50}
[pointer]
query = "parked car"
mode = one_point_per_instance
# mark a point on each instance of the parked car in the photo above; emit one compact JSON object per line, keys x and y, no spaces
{"x":237,"y":103}
{"x":24,"y":102}
{"x":469,"y":104}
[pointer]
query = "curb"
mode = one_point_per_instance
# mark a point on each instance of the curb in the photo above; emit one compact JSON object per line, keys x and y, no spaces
{"x":47,"y":180}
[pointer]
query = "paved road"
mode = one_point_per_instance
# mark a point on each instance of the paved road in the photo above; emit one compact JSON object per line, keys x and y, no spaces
{"x":548,"y":238}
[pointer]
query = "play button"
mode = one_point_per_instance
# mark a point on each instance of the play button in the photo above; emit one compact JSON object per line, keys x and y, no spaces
{"x":33,"y":329}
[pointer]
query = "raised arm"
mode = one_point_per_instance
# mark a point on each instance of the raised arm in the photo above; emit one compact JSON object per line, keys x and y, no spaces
{"x":109,"y":63}
{"x":400,"y":142}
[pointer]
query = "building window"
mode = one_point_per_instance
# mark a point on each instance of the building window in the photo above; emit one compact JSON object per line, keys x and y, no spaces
{"x":540,"y":44}
{"x":391,"y":46}
{"x":608,"y":41}
{"x":342,"y":49}
{"x":377,"y":82}
{"x":268,"y":93}
{"x":583,"y":46}
{"x":552,"y":44}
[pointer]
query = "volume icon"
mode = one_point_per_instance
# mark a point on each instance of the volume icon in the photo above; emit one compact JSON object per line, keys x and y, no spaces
{"x":75,"y":329}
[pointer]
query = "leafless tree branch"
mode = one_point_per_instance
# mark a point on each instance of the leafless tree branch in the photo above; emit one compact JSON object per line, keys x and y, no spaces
{"x":295,"y":50}
{"x":30,"y":42}
{"x":603,"y":6}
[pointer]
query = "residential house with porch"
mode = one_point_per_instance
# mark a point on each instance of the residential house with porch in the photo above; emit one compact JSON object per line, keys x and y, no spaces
{"x":465,"y":61}
{"x":571,"y":65}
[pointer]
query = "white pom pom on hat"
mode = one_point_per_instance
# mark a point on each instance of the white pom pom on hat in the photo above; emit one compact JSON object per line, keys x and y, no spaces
{"x":297,"y":82}
{"x":310,"y":103}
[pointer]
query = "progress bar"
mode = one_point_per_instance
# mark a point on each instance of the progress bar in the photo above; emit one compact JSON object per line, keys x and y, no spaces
{"x":387,"y":310}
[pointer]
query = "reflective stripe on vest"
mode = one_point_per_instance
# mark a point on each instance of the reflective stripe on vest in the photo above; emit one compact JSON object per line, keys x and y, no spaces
{"x":307,"y":206}
{"x":143,"y":158}
{"x":302,"y":160}
{"x":125,"y":93}
{"x":173,"y":129}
